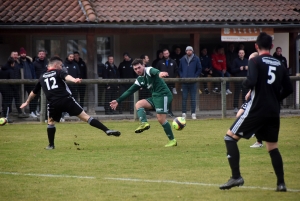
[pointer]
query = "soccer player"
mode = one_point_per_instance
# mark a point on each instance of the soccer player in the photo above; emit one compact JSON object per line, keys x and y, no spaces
{"x":60,"y":99}
{"x":269,"y":84}
{"x":150,"y":78}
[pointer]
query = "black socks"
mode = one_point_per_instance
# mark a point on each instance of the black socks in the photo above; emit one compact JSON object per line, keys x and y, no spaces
{"x":51,"y":134}
{"x":233,"y":156}
{"x":97,"y":124}
{"x":277,"y":165}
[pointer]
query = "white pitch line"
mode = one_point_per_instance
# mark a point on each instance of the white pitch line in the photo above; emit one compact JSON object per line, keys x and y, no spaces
{"x":191,"y":183}
{"x":48,"y":175}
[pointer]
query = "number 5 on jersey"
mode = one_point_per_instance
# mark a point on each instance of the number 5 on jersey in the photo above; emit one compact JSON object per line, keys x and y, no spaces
{"x":51,"y":81}
{"x":271,"y":74}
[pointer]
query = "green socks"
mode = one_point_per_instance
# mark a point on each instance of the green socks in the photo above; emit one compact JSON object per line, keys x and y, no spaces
{"x":168,"y":130}
{"x":142,"y":114}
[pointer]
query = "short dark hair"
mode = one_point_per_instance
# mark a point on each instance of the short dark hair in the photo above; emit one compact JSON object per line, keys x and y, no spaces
{"x":55,"y":58}
{"x":137,"y":61}
{"x":110,"y":56}
{"x":278,"y":48}
{"x":143,"y":56}
{"x":264,"y":41}
{"x":76,"y":52}
{"x":165,"y":50}
{"x":42,"y":50}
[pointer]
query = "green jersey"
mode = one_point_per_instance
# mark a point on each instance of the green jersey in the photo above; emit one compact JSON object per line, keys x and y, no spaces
{"x":149,"y":80}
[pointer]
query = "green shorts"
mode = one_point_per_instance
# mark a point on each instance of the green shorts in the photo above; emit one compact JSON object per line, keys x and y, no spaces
{"x":161,"y":104}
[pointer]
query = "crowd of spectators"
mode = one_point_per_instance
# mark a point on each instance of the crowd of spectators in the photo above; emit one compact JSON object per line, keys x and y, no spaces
{"x":178,"y":63}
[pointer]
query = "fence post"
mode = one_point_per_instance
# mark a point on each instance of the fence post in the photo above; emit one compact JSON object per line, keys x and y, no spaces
{"x":135,"y":99}
{"x":43,"y":107}
{"x":223,"y":98}
{"x":297,"y":105}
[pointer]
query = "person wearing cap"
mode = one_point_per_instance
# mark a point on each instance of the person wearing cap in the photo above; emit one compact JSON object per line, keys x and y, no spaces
{"x":28,"y":73}
{"x":83,"y":75}
{"x":126,"y":72}
{"x":189,"y":67}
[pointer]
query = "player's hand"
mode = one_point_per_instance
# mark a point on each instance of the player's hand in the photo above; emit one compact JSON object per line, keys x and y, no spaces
{"x":23,"y":105}
{"x":163,"y":74}
{"x":113,"y":104}
{"x":77,"y":80}
{"x":242,"y":68}
{"x":246,"y":67}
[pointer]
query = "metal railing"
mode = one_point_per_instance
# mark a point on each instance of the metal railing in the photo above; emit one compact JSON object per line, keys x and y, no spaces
{"x":204,"y":102}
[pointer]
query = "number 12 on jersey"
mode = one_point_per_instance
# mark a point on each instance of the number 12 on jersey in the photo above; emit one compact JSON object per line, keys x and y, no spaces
{"x":271,"y":74}
{"x":51,"y":81}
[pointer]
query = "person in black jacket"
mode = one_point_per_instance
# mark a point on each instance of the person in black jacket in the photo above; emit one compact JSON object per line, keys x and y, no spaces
{"x":74,"y":71}
{"x":28,"y":73}
{"x":159,"y":56}
{"x":239,"y":69}
{"x":278,"y":55}
{"x":5,"y":89}
{"x":14,"y":66}
{"x":83,"y":75}
{"x":205,"y":61}
{"x":166,"y":64}
{"x":111,"y":90}
{"x":40,"y":64}
{"x":126,"y":72}
{"x":177,"y":55}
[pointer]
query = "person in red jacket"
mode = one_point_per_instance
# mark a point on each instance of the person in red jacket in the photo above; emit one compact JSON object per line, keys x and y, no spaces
{"x":219,"y":68}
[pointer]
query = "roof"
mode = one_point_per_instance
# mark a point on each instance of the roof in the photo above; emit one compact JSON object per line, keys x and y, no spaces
{"x":18,"y":12}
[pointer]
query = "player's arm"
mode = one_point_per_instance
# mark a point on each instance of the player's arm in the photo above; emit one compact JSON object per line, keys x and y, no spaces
{"x":287,"y":87}
{"x":32,"y":94}
{"x":135,"y":87}
{"x":251,"y":80}
{"x":72,"y":79}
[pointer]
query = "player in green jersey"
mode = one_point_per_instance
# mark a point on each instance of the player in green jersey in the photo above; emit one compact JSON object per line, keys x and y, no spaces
{"x":150,"y":78}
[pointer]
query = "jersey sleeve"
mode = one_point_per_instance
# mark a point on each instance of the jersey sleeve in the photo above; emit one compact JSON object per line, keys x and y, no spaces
{"x":251,"y":80}
{"x":63,"y":73}
{"x":152,"y":71}
{"x":129,"y":92}
{"x":37,"y":88}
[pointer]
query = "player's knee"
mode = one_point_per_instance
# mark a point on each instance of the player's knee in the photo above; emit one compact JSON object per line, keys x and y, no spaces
{"x":229,"y":138}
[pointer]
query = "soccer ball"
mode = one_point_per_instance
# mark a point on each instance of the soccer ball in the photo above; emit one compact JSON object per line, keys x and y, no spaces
{"x":179,"y":123}
{"x":3,"y":121}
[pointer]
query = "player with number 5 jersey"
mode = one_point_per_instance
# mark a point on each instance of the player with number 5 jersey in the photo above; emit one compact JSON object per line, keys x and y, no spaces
{"x":269,"y":84}
{"x":59,"y":97}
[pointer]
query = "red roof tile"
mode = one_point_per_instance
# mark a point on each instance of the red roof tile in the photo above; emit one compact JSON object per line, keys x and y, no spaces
{"x":145,"y":11}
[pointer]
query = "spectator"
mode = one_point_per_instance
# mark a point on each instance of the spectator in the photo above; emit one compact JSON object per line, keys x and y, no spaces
{"x":241,"y":46}
{"x":74,"y":71}
{"x":145,"y":60}
{"x":28,"y":72}
{"x":100,"y":65}
{"x":126,"y":72}
{"x":219,"y":68}
{"x":240,"y":69}
{"x":159,"y":56}
{"x":14,"y":65}
{"x":40,"y":66}
{"x":170,"y":66}
{"x":278,"y":55}
{"x":177,"y":55}
{"x":5,"y":89}
{"x":145,"y":93}
{"x":83,"y":75}
{"x":189,"y":67}
{"x":230,"y":56}
{"x":206,"y":67}
{"x":110,"y":72}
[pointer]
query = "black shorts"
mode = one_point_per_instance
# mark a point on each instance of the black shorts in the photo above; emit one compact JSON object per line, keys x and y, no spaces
{"x":264,"y":128}
{"x":67,"y":104}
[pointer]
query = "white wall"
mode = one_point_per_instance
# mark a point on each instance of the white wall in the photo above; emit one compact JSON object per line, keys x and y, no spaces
{"x":281,"y":40}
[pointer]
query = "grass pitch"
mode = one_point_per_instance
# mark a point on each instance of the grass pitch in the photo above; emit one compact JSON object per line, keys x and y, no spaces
{"x":138,"y":166}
